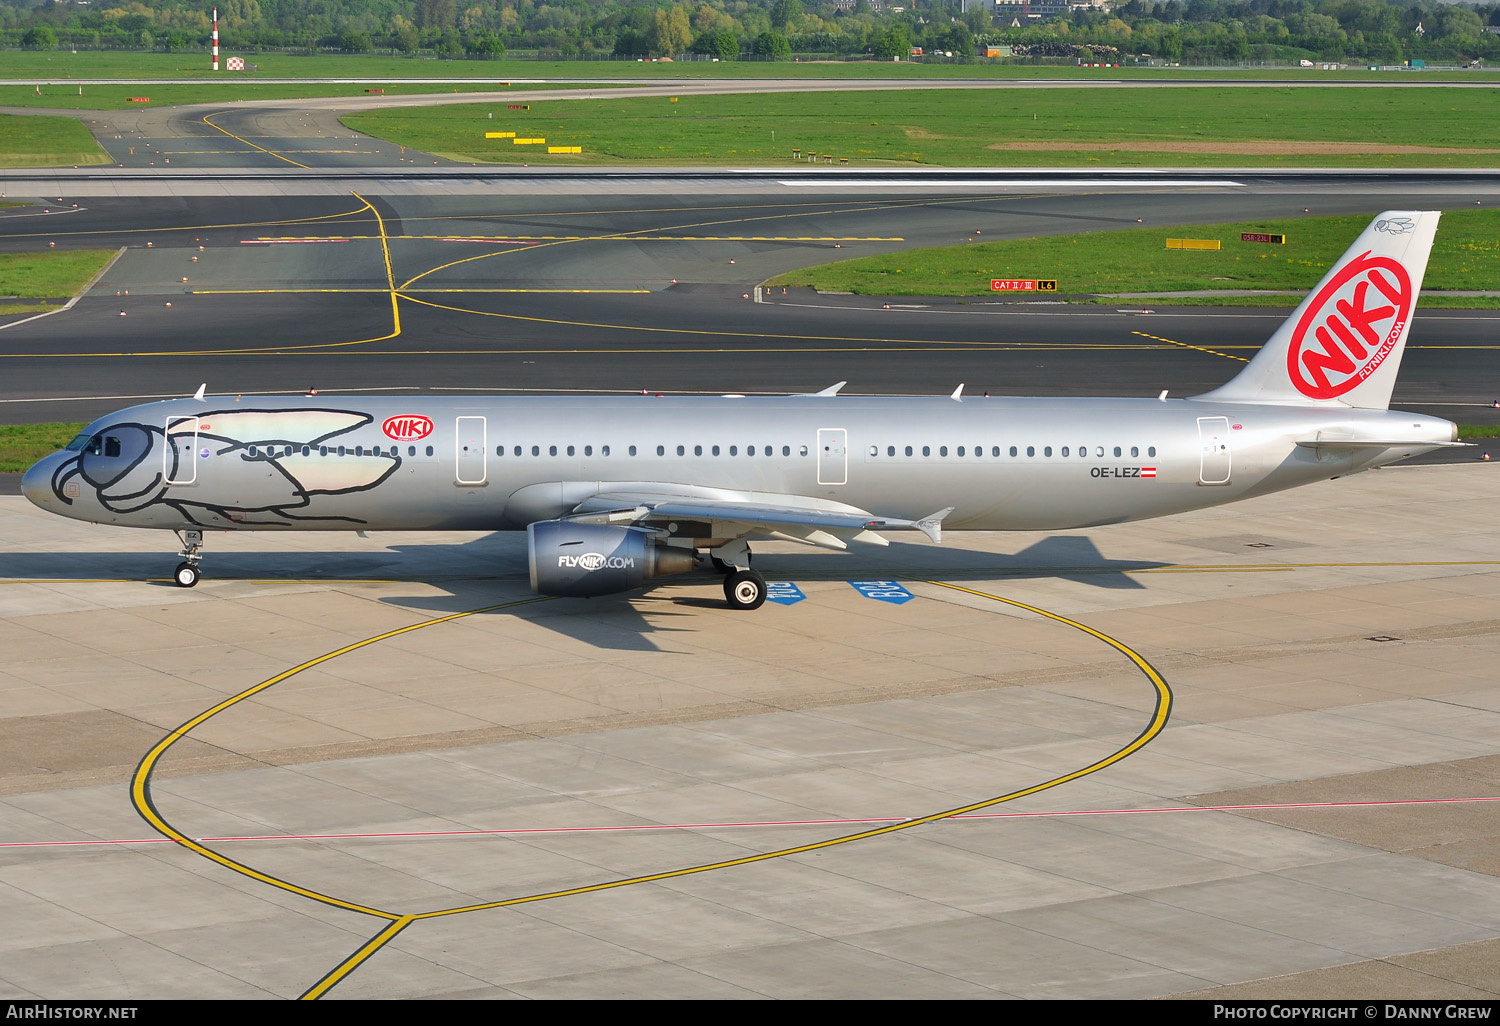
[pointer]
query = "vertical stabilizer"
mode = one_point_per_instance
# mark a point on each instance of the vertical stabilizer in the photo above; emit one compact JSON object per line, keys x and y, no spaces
{"x":1343,"y":345}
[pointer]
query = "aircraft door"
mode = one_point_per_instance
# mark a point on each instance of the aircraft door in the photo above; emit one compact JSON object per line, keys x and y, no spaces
{"x":469,"y":447}
{"x":180,"y":443}
{"x":833,"y":456}
{"x":1213,"y":448}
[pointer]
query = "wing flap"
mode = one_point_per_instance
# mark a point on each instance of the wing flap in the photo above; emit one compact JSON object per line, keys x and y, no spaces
{"x":784,"y":516}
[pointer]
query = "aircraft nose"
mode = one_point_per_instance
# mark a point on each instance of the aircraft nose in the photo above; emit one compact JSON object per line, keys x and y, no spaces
{"x":36,"y":483}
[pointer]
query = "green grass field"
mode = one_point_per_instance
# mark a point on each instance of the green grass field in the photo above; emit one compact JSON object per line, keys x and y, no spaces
{"x":51,"y":274}
{"x":1267,"y":127}
{"x":1465,"y":256}
{"x":23,"y":445}
{"x":27,"y":141}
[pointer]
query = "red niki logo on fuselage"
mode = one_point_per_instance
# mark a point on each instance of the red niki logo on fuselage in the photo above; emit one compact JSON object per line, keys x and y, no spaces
{"x":1350,"y":327}
{"x":407,"y":428}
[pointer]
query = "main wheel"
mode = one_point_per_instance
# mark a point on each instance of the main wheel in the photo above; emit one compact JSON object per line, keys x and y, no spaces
{"x":186,"y":575}
{"x":745,"y":589}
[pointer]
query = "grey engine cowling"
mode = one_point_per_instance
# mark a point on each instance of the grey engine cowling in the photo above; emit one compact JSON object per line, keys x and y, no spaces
{"x":581,"y":560}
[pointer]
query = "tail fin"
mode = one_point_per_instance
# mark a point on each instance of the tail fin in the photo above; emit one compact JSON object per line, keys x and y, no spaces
{"x":1344,"y":343}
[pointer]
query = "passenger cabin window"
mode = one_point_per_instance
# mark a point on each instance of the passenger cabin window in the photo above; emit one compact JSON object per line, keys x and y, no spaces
{"x":429,"y":450}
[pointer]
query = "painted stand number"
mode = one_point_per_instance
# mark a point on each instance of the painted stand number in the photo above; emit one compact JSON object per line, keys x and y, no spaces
{"x":883,"y":591}
{"x":784,"y":592}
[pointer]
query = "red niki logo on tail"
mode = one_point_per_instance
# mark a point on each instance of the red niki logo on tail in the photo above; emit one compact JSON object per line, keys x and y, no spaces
{"x":1354,"y":322}
{"x":408,"y":428}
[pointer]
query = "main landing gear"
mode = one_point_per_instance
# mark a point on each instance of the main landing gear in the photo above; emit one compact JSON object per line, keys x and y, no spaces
{"x":743,"y":587}
{"x":186,"y":575}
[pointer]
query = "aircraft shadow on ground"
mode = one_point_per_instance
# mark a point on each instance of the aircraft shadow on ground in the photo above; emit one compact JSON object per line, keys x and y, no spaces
{"x":491,"y":570}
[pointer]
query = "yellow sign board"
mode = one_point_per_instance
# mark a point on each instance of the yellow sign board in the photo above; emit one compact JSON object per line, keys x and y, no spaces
{"x":564,"y":149}
{"x":499,"y":135}
{"x":529,"y":142}
{"x":1192,"y":243}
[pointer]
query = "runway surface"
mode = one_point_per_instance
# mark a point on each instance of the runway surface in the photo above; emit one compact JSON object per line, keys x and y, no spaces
{"x":1248,"y":752}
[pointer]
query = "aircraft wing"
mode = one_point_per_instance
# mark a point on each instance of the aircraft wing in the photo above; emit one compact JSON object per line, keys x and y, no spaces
{"x":793,"y":517}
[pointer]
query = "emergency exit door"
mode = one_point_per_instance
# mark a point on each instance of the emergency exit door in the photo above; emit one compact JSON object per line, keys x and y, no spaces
{"x":469,"y":443}
{"x":833,"y":456}
{"x":1213,"y":448}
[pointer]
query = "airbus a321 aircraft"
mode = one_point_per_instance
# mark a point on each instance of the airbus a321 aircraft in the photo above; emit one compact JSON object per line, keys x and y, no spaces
{"x":613,"y":492}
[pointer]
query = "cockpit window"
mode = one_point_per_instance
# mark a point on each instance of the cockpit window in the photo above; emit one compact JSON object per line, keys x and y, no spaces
{"x":111,"y":445}
{"x":85,"y":443}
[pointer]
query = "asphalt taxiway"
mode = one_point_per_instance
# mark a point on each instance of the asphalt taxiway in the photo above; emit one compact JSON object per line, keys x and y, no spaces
{"x":538,"y":292}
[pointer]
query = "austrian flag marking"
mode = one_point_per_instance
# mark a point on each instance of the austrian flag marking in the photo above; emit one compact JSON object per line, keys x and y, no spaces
{"x":407,"y":428}
{"x":1350,"y":327}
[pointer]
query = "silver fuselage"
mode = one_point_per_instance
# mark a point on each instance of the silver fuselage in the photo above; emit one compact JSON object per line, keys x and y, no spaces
{"x":451,"y":463}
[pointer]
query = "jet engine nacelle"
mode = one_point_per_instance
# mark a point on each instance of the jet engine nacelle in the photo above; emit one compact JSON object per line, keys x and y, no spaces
{"x":583,"y":560}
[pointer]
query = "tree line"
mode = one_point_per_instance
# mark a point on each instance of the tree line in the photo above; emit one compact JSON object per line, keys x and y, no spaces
{"x":1384,"y":31}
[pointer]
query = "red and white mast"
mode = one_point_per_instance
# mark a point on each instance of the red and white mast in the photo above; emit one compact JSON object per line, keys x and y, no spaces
{"x":216,"y":39}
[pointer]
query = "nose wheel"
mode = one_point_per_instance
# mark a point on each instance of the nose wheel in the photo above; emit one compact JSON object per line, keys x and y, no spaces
{"x":186,"y":575}
{"x":745,"y":589}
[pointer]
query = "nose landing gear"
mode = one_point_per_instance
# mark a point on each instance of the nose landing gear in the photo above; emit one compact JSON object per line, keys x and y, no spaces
{"x":186,"y":575}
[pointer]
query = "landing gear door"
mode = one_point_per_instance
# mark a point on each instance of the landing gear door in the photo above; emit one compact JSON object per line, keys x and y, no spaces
{"x":1213,"y":447}
{"x":179,"y":462}
{"x":469,"y":446}
{"x":833,"y":456}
